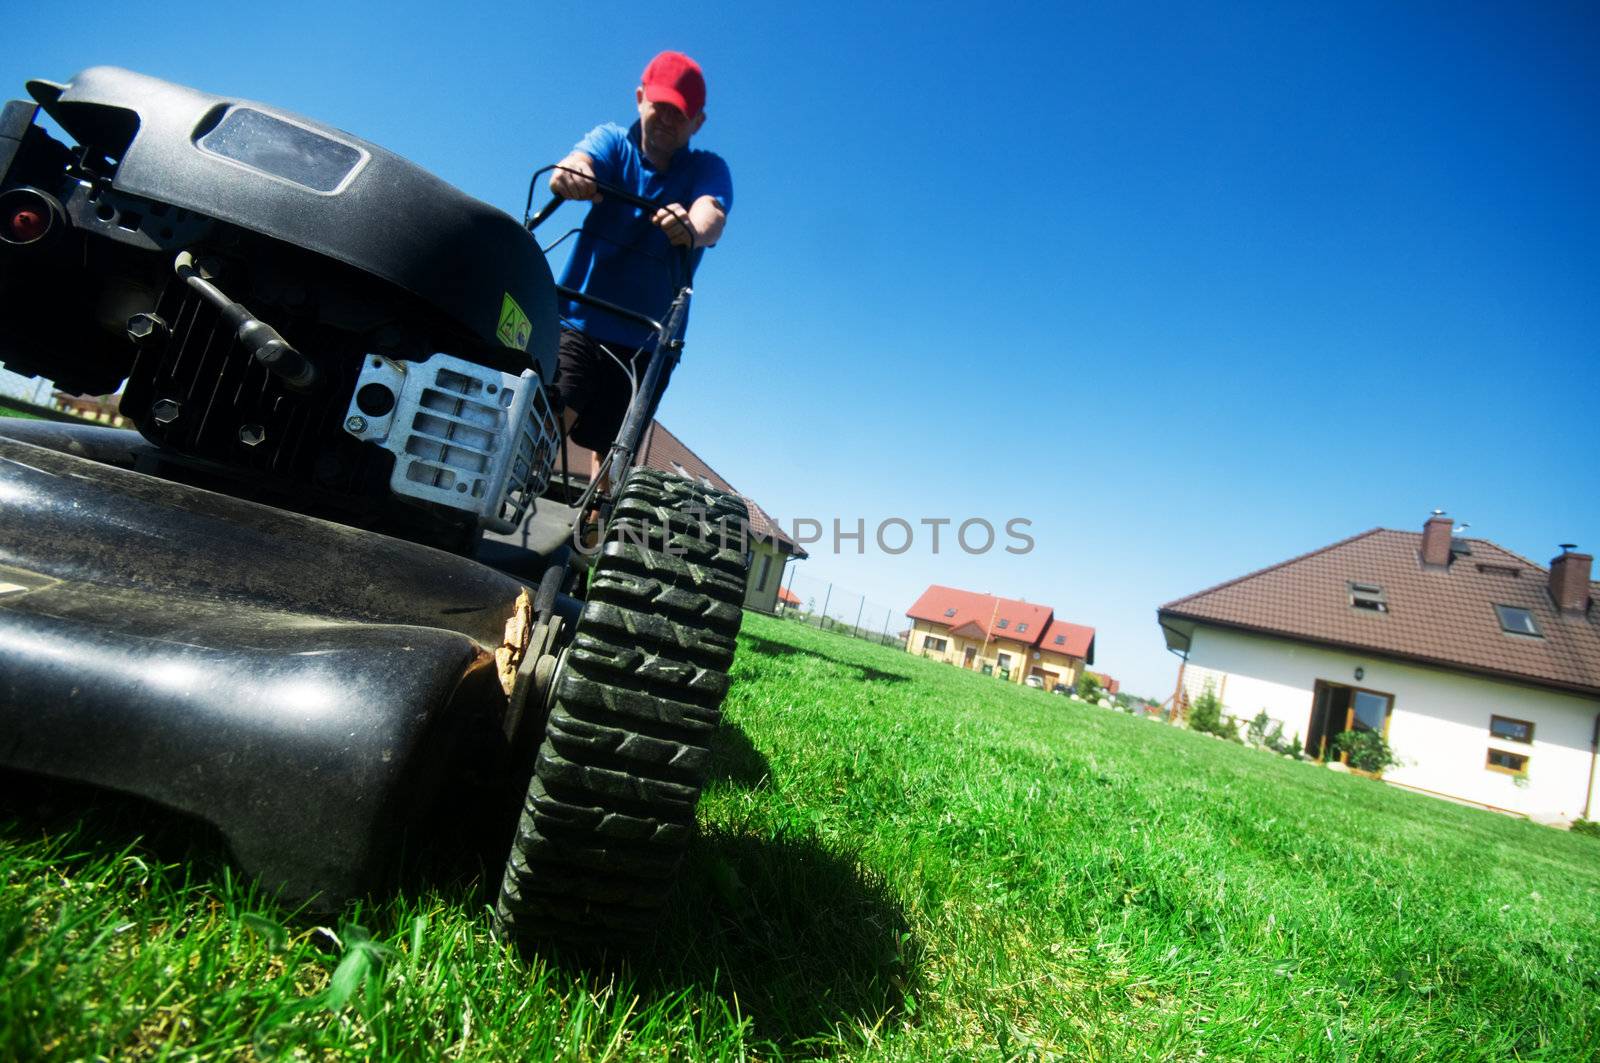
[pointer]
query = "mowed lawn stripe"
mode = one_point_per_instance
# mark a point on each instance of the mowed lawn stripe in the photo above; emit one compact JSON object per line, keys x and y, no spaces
{"x":1109,"y":885}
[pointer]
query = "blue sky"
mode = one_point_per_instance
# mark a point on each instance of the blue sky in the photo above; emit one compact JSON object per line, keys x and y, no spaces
{"x":1192,"y":288}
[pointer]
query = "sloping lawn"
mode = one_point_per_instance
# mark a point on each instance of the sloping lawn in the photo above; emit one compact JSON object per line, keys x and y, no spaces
{"x":7,"y":410}
{"x":899,"y":860}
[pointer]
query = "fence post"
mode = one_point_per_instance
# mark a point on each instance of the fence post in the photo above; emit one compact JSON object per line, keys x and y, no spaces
{"x":856,"y":628}
{"x":887,"y":616}
{"x":826,"y":598}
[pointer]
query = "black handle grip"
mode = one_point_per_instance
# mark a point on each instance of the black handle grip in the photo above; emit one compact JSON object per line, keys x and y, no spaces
{"x":548,"y":209}
{"x":531,"y":221}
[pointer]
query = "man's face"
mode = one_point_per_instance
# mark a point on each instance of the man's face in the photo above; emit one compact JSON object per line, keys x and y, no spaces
{"x":663,"y":128}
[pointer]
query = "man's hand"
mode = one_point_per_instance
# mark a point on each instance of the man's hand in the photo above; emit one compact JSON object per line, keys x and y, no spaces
{"x":673,"y":219}
{"x":699,"y":226}
{"x":580,"y":185}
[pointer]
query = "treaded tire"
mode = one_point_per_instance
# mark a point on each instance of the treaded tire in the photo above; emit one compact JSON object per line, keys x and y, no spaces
{"x":627,"y":746}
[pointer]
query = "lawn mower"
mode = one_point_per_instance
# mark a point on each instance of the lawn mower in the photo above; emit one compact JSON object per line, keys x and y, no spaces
{"x":335,"y":572}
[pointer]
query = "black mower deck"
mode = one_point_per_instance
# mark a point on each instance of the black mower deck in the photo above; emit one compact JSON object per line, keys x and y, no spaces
{"x":293,"y":681}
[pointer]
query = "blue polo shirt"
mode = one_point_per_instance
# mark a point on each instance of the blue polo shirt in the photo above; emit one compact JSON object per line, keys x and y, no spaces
{"x":619,"y":255}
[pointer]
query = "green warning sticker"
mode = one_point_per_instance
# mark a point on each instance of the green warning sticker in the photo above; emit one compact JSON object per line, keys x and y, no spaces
{"x":515,"y":330}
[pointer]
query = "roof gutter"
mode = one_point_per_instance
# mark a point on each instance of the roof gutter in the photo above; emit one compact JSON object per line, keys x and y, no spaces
{"x":1403,"y":658}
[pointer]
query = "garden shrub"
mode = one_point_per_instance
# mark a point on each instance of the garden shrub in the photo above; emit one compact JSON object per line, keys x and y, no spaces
{"x":1205,"y":715}
{"x":1367,"y":750}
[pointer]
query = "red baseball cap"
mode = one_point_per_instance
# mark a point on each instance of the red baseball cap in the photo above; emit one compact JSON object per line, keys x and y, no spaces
{"x":674,"y":78}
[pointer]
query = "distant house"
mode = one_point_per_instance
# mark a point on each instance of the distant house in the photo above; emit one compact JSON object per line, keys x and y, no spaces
{"x":103,"y":408}
{"x":787,"y":600}
{"x":1111,"y":686}
{"x":1481,"y":668}
{"x":770,"y":548}
{"x":1008,"y":637}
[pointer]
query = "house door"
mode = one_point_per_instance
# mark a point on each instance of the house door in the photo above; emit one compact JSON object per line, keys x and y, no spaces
{"x":1336,"y":708}
{"x":968,"y":657}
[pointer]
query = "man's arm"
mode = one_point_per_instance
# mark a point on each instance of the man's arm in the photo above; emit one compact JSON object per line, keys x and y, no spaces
{"x":699,"y":226}
{"x":569,"y":185}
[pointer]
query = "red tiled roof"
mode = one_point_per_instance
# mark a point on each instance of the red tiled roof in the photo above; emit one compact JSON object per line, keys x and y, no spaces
{"x":1112,"y":686}
{"x":1437,"y":617}
{"x":665,"y":452}
{"x":1079,"y":640}
{"x":1024,"y":622}
{"x":788,"y":597}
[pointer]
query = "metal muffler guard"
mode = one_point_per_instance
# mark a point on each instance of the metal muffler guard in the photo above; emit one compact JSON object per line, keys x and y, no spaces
{"x":463,"y":435}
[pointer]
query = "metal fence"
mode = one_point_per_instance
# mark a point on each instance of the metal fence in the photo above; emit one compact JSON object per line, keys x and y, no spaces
{"x":824,"y":604}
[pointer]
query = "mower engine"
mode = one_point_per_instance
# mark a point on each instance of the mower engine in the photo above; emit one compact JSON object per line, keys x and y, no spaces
{"x":295,"y":312}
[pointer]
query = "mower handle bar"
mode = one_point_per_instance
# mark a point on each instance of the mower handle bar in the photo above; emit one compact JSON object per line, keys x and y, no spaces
{"x":533,"y":221}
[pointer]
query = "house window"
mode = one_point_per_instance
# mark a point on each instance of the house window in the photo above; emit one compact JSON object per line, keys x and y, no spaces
{"x":1515,"y":620}
{"x":1002,"y":623}
{"x":1368,"y":597}
{"x":1510,"y":763}
{"x":1003,"y":660}
{"x":766,"y":564}
{"x":678,"y":468}
{"x":934,"y":645}
{"x":949,"y":612}
{"x":1021,"y":628}
{"x":1510,"y":730}
{"x":1061,"y":640}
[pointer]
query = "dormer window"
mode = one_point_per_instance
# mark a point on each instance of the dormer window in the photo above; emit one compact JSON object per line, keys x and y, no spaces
{"x":949,"y":612}
{"x":1515,"y":620}
{"x":1061,"y":640}
{"x":1003,"y":623}
{"x":1369,"y":597}
{"x":1021,"y":628}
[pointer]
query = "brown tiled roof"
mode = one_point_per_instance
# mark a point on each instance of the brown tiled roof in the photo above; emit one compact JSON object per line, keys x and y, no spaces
{"x":1439,"y":617}
{"x":665,"y":452}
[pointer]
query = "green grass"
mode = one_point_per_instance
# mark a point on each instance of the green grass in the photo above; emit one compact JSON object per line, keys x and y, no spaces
{"x":899,"y":860}
{"x":7,"y":410}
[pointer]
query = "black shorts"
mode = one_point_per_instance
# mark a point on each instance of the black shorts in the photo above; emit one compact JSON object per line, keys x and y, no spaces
{"x":592,"y":383}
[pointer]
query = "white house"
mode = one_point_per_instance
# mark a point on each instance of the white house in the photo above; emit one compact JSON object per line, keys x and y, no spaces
{"x":1480,"y":667}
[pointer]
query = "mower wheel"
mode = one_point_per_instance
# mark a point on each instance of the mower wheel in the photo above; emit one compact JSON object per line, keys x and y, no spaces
{"x":627,"y":745}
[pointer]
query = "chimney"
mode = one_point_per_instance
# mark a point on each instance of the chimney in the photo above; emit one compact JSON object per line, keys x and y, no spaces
{"x":1436,"y":542}
{"x":1569,"y":581}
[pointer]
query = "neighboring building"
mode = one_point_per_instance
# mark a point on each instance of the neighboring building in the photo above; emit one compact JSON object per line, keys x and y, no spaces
{"x":1482,"y":669}
{"x":1010,"y":638}
{"x":39,"y":396}
{"x":770,"y":548}
{"x":27,"y":388}
{"x":103,"y":408}
{"x":1111,"y":686}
